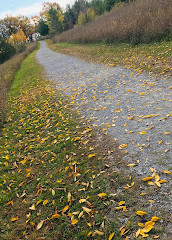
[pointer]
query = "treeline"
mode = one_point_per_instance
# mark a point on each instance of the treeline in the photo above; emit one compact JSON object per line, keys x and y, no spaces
{"x":141,"y":21}
{"x":53,"y":20}
{"x":83,"y":11}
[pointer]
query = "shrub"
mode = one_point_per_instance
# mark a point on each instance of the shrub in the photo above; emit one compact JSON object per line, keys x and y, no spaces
{"x":6,"y":51}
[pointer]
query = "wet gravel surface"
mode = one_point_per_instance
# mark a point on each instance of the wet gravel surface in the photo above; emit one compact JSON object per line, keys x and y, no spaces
{"x":134,"y":108}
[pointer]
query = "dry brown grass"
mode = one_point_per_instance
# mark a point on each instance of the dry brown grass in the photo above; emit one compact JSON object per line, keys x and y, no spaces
{"x":7,"y":72}
{"x":137,"y":22}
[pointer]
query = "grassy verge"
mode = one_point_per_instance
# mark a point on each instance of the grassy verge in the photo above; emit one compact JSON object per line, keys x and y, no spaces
{"x":154,"y":58}
{"x":7,"y":72}
{"x":56,"y":179}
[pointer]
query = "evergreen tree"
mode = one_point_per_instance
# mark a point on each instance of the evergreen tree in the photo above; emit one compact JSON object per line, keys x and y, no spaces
{"x":43,"y":28}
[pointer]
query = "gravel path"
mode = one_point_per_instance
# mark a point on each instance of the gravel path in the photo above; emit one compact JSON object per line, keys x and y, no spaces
{"x":134,"y":108}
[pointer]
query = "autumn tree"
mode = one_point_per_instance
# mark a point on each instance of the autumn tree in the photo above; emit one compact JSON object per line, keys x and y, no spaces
{"x":53,"y":16}
{"x":84,"y":18}
{"x":14,"y":24}
{"x":18,"y":40}
{"x":19,"y":37}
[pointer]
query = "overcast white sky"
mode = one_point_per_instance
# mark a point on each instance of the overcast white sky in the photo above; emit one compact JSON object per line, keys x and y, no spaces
{"x":26,"y":7}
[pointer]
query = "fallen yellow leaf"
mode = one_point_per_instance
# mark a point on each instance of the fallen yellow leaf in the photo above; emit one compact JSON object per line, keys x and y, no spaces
{"x":82,"y":200}
{"x":53,"y":192}
{"x":166,"y":171}
{"x":69,"y":196}
{"x":150,"y":183}
{"x":38,"y":202}
{"x":154,"y":219}
{"x":158,"y":184}
{"x":74,"y":221}
{"x":162,"y":181}
{"x":65,"y":209}
{"x":102,"y":195}
{"x":146,"y":179}
{"x":131,"y":165}
{"x":99,"y":233}
{"x":14,"y":219}
{"x":147,"y":228}
{"x":121,"y":203}
{"x":155,"y":237}
{"x":45,"y":202}
{"x":137,"y":233}
{"x":87,"y":210}
{"x":121,"y":207}
{"x":142,"y":132}
{"x":111,"y":236}
{"x":91,"y":155}
{"x":32,"y":207}
{"x":81,"y":214}
{"x":89,"y":234}
{"x":11,"y":202}
{"x":55,"y":216}
{"x":157,"y":178}
{"x":40,"y":225}
{"x":143,"y":234}
{"x":122,"y":146}
{"x":141,"y":225}
{"x":122,"y":231}
{"x":151,"y":201}
{"x":141,"y":213}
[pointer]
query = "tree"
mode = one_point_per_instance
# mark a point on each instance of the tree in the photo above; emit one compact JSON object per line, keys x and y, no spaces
{"x":84,"y":18}
{"x":91,"y":15}
{"x":4,"y":31}
{"x":69,"y":18}
{"x":11,"y":23}
{"x":53,"y":16}
{"x":18,"y":40}
{"x":78,"y":7}
{"x":109,"y":4}
{"x":98,"y":6}
{"x":14,"y":24}
{"x":43,"y":28}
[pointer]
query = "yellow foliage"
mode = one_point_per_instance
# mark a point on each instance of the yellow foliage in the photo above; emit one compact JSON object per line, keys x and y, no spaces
{"x":19,"y":37}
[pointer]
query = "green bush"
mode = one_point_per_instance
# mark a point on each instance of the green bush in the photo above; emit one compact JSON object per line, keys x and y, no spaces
{"x":6,"y":50}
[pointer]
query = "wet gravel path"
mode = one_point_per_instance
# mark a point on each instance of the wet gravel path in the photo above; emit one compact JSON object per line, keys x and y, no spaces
{"x":134,"y":108}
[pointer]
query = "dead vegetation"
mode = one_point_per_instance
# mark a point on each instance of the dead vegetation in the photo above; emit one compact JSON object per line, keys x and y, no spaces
{"x":136,"y":22}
